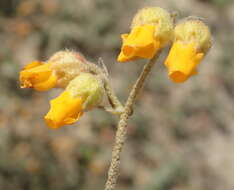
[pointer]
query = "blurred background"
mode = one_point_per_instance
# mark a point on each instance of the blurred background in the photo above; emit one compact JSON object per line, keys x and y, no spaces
{"x":180,"y":137}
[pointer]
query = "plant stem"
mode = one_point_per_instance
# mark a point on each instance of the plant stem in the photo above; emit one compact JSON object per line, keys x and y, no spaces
{"x":121,"y":133}
{"x":112,"y":98}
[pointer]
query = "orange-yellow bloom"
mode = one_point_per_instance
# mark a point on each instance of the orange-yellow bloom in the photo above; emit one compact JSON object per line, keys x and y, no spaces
{"x":140,"y":43}
{"x":38,"y":75}
{"x":58,"y":71}
{"x":191,"y":43}
{"x":182,"y":61}
{"x":82,"y":93}
{"x":151,"y":30}
{"x":68,"y":70}
{"x":65,"y":109}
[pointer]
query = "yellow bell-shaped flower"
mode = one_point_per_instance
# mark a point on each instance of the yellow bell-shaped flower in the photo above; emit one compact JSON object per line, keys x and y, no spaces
{"x":83,"y":93}
{"x":65,"y":109}
{"x":58,"y":71}
{"x":152,"y":29}
{"x":192,"y":40}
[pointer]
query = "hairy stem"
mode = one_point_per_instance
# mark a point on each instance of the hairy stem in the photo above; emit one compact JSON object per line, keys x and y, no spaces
{"x":112,"y":98}
{"x":121,"y":133}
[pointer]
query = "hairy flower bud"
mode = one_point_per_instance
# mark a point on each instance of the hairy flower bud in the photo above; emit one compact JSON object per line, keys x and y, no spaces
{"x":151,"y":30}
{"x":89,"y":87}
{"x":193,"y":30}
{"x":82,"y":94}
{"x":67,"y":65}
{"x":159,"y":18}
{"x":192,"y":40}
{"x":62,"y":67}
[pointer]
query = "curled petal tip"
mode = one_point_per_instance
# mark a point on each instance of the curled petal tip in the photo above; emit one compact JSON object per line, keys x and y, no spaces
{"x":140,"y":43}
{"x":182,"y":61}
{"x":178,"y":76}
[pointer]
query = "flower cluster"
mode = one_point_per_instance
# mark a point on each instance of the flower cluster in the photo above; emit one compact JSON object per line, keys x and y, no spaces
{"x":152,"y":29}
{"x":68,"y":70}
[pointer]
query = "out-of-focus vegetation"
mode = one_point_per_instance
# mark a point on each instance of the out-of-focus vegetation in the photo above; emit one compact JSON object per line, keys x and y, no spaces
{"x":180,"y":137}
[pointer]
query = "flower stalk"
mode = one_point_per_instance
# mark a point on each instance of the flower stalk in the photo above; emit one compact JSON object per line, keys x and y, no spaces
{"x":116,"y":106}
{"x":121,"y":132}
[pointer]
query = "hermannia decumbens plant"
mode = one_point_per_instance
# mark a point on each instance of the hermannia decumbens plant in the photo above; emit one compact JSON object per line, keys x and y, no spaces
{"x":85,"y":84}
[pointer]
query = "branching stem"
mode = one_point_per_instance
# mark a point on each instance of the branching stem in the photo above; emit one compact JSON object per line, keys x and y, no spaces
{"x":112,"y":98}
{"x":121,"y":133}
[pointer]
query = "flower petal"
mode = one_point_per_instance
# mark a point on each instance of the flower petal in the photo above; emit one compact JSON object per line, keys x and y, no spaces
{"x":37,"y":75}
{"x":32,"y":65}
{"x":47,"y":84}
{"x":140,"y":43}
{"x":182,"y":61}
{"x":64,"y":110}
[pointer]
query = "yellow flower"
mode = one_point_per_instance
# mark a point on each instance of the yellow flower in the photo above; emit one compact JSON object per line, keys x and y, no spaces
{"x":191,"y":43}
{"x":139,"y":44}
{"x":65,"y":110}
{"x":83,"y":93}
{"x":152,"y":29}
{"x":58,"y":71}
{"x":38,"y":75}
